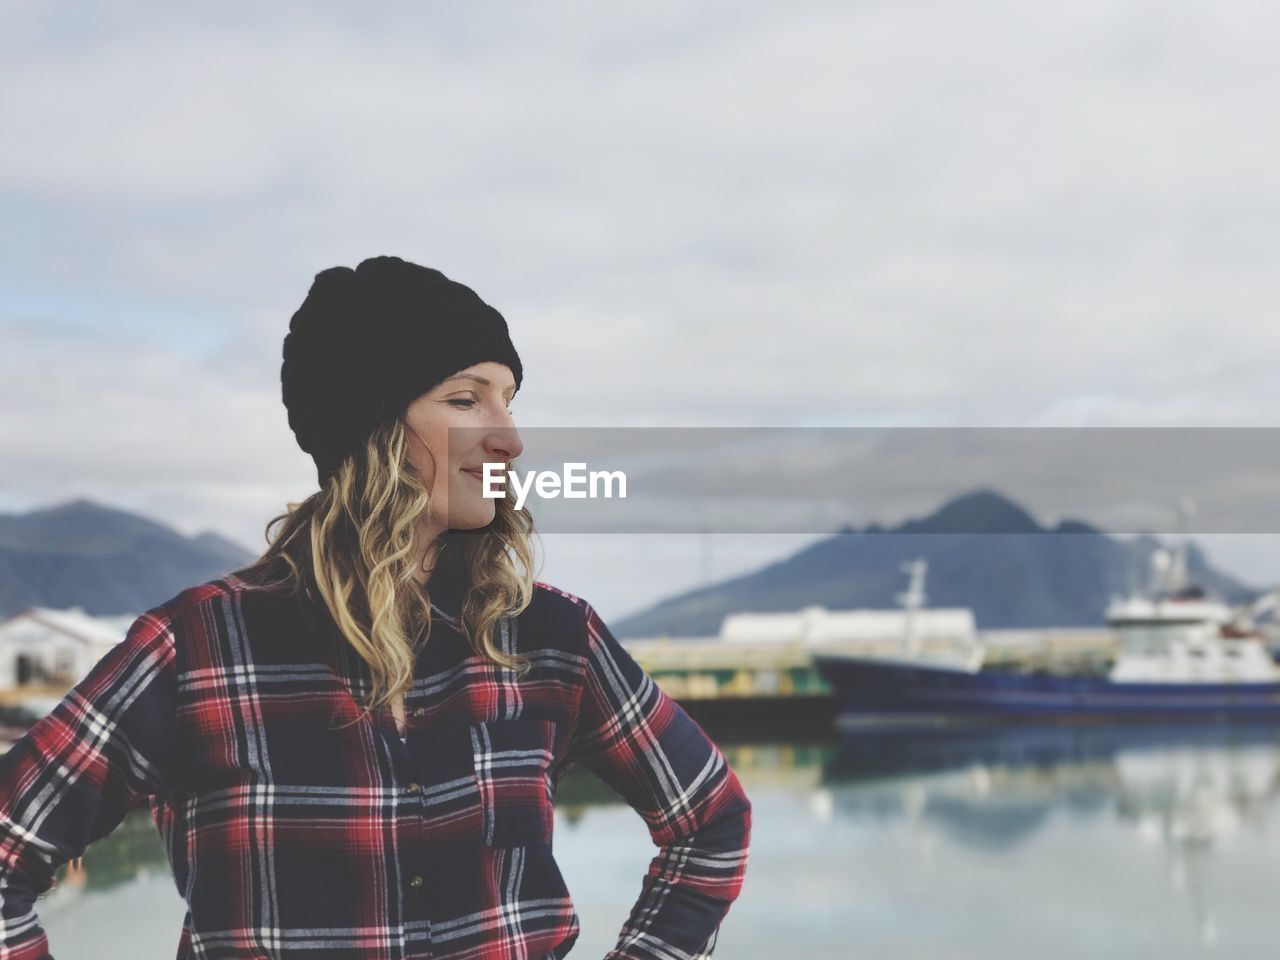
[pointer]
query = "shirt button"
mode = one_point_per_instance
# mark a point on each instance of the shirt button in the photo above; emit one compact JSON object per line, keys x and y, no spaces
{"x":413,"y":789}
{"x":416,"y":883}
{"x":419,"y":712}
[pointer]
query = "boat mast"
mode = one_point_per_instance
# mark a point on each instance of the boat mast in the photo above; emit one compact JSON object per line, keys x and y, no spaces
{"x":1178,"y":579}
{"x":912,"y":599}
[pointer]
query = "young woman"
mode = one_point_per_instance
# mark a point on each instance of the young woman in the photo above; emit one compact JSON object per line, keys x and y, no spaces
{"x":350,"y":747}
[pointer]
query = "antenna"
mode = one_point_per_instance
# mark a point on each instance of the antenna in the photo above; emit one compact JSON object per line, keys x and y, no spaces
{"x":1161,"y":565}
{"x":706,"y":600}
{"x":912,"y":600}
{"x":1178,"y":568}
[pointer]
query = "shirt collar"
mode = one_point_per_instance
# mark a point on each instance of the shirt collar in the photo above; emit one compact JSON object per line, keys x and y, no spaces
{"x":446,"y":588}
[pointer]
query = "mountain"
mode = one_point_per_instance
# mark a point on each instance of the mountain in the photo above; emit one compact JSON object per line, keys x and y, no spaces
{"x":984,"y":552}
{"x":104,"y":560}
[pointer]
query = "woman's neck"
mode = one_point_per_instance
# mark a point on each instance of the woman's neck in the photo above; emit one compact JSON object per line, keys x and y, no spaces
{"x":426,"y":564}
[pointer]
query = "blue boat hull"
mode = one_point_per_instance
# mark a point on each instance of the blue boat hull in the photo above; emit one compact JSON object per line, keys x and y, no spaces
{"x":878,"y":693}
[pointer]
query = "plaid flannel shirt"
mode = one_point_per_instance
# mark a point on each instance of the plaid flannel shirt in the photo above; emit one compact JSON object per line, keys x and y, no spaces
{"x":295,"y":829}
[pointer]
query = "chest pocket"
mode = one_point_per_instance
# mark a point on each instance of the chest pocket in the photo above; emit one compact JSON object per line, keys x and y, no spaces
{"x":512,"y":762}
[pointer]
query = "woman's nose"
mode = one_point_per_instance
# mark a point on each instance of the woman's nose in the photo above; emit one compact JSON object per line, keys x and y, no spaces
{"x":505,"y":441}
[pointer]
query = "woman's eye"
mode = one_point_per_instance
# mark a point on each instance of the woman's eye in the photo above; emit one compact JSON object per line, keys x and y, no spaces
{"x":467,"y":404}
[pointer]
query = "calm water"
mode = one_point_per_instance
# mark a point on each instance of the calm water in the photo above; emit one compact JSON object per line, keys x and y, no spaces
{"x":1046,"y":843}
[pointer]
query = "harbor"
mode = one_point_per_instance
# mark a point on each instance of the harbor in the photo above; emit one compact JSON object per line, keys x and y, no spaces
{"x":1167,"y":650}
{"x":968,"y":766}
{"x":1170,"y":651}
{"x":906,"y":836}
{"x":776,"y":683}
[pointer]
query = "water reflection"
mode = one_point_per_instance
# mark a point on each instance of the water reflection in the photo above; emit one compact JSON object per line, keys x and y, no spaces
{"x":132,"y":849}
{"x":991,"y":788}
{"x":896,"y":838}
{"x":1188,"y":789}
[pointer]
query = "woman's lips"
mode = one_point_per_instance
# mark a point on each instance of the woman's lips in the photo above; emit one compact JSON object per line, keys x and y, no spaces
{"x":475,"y":473}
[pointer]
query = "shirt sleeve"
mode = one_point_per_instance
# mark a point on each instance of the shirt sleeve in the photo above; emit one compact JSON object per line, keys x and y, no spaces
{"x":74,"y":775}
{"x":643,"y":744}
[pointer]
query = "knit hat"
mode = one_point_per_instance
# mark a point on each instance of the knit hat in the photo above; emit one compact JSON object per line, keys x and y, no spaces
{"x":367,"y":342}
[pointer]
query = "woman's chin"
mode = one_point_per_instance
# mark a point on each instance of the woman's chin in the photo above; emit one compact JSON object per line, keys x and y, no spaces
{"x":472,"y":520}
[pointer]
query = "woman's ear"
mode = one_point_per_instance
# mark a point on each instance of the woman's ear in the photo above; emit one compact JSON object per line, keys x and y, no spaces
{"x":408,"y":429}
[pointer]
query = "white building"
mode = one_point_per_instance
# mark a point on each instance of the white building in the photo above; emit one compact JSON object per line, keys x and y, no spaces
{"x":43,"y":647}
{"x":818,"y":626}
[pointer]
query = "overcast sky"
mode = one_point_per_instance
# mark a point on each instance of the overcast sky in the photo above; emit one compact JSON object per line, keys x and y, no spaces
{"x":716,"y":214}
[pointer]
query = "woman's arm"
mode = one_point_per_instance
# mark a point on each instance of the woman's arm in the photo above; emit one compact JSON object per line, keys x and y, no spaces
{"x":646,"y":747}
{"x":74,"y":775}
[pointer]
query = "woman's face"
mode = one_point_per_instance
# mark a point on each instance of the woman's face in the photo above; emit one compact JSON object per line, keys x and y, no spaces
{"x":477,"y":398}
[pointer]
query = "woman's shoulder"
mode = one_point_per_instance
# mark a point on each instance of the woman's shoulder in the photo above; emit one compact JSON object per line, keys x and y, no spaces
{"x":553,"y":603}
{"x":189,"y":603}
{"x":553,"y":597}
{"x":569,"y":613}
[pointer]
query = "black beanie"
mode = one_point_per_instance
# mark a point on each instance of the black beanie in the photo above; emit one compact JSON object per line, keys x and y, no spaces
{"x":367,"y":342}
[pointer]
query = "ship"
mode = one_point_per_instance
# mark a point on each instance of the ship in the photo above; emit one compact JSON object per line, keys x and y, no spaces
{"x":1181,"y":655}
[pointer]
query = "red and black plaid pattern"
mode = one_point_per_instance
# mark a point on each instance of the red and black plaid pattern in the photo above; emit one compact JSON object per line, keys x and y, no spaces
{"x":294,"y":828}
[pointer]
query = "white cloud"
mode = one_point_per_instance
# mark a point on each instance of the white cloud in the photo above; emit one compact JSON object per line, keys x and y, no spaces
{"x":821,"y":213}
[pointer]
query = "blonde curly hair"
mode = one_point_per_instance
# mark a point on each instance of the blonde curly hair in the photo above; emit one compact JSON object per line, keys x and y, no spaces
{"x":352,"y":544}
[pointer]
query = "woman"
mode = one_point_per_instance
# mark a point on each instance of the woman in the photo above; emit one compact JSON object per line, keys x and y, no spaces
{"x":350,"y":747}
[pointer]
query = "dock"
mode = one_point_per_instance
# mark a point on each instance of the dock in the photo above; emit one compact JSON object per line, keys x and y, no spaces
{"x":774,"y":685}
